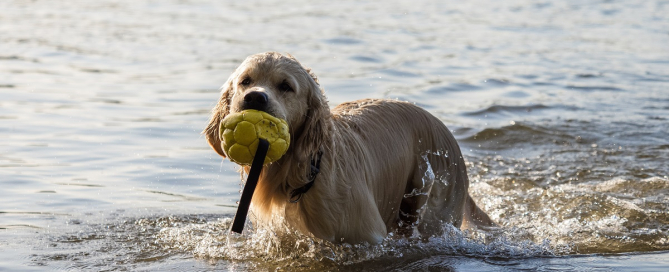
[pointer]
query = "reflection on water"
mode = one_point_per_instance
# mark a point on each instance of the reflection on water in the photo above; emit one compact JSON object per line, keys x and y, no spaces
{"x":560,"y":108}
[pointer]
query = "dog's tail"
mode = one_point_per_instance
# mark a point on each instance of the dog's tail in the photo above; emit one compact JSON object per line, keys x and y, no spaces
{"x":474,"y":217}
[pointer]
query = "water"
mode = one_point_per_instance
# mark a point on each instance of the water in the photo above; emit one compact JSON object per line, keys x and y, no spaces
{"x":560,"y":108}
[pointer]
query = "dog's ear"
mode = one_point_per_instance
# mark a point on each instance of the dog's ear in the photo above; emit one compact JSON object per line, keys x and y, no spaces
{"x":315,"y":127}
{"x":311,"y":74}
{"x":220,"y":111}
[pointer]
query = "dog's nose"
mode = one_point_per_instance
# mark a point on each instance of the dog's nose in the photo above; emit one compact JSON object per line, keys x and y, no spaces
{"x":256,"y":101}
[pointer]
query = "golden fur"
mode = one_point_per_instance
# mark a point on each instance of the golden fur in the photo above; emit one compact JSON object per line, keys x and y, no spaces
{"x":386,"y":165}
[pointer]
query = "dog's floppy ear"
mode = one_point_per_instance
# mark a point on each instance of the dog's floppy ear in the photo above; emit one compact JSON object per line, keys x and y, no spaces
{"x":219,"y":112}
{"x":315,"y":127}
{"x":311,"y":74}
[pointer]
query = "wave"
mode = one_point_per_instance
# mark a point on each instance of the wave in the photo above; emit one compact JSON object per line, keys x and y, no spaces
{"x":504,"y":110}
{"x":519,"y":134}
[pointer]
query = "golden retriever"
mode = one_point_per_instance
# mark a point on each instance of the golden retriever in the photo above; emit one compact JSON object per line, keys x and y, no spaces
{"x":381,"y":165}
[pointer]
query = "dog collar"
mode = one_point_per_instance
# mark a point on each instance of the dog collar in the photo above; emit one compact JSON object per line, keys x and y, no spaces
{"x":296,"y":194}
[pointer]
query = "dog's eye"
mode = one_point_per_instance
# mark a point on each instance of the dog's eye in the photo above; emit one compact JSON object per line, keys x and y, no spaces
{"x":285,"y":87}
{"x":246,"y":81}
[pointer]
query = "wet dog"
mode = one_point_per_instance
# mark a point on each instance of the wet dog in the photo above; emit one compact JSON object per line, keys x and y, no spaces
{"x":353,"y":173}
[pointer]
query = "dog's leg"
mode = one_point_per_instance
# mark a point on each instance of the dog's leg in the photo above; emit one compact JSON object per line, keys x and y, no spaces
{"x":409,"y":207}
{"x":415,"y":211}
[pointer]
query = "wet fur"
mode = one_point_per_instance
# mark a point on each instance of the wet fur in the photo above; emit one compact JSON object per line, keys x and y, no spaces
{"x":374,"y":175}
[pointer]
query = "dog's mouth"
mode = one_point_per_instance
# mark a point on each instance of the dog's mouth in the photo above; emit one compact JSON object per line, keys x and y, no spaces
{"x":265,"y":109}
{"x":268,"y":111}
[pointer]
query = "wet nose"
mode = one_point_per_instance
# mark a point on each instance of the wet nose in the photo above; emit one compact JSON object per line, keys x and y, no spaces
{"x":256,"y":101}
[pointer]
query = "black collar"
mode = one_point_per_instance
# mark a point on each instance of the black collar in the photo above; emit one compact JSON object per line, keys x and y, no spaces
{"x":296,"y":194}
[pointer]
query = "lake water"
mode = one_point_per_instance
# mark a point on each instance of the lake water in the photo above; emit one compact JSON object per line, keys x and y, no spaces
{"x":560,"y":107}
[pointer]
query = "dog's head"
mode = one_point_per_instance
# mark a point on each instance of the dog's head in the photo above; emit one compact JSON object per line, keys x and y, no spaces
{"x":280,"y":86}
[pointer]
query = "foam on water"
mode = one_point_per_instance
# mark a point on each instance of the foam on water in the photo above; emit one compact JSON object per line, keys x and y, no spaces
{"x":534,"y":222}
{"x":283,"y":249}
{"x":582,"y":218}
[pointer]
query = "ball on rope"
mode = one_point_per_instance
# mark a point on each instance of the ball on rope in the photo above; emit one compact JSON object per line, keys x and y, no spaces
{"x":241,"y":131}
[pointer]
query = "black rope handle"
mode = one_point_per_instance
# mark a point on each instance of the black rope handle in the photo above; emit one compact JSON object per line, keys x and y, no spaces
{"x":251,"y":182}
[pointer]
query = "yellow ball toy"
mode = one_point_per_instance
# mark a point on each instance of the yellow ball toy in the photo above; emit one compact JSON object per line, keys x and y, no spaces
{"x":240,"y":132}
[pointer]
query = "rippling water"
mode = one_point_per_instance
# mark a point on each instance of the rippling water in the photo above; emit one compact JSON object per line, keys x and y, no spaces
{"x":561,"y":109}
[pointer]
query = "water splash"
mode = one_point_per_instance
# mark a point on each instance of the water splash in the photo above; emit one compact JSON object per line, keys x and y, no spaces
{"x":277,"y":249}
{"x":618,"y":215}
{"x":281,"y":247}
